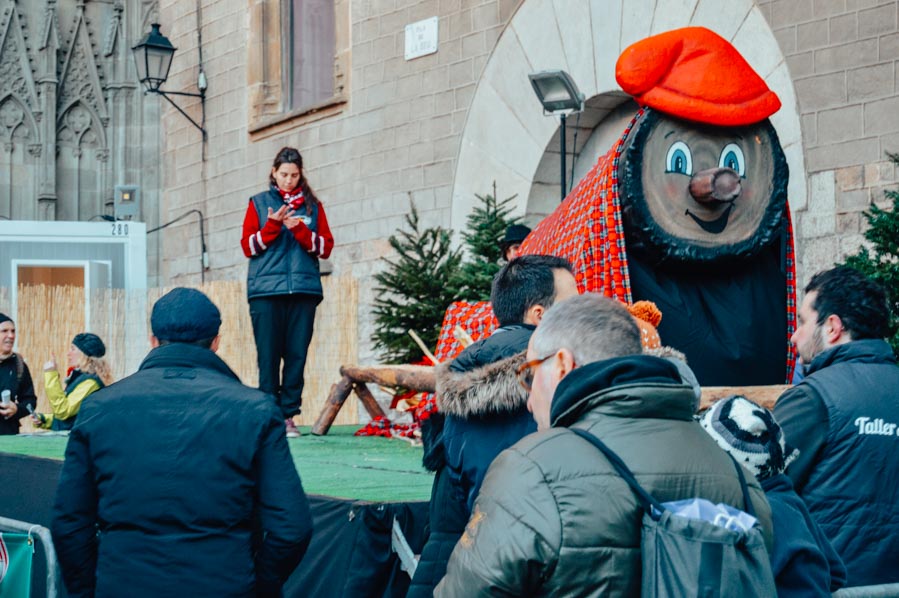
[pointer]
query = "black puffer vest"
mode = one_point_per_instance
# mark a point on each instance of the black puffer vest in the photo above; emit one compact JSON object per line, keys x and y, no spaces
{"x":75,"y":378}
{"x":284,"y":268}
{"x":852,"y":491}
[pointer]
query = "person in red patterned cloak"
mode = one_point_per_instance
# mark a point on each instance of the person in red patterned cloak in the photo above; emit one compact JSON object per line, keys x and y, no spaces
{"x":689,"y":210}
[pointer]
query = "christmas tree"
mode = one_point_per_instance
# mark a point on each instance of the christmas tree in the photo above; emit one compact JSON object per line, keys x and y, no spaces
{"x":415,"y":290}
{"x":485,"y":229}
{"x":880,"y":261}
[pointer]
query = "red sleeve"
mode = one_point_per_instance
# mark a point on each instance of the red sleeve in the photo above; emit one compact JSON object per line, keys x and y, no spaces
{"x":319,"y":243}
{"x":254,"y":240}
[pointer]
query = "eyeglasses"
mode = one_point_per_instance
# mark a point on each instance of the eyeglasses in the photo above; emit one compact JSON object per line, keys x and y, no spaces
{"x":525,"y":371}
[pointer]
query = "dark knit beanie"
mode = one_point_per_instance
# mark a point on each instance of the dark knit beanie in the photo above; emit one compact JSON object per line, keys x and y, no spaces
{"x":184,"y":316}
{"x":89,"y":344}
{"x":750,"y":434}
{"x":5,"y":318}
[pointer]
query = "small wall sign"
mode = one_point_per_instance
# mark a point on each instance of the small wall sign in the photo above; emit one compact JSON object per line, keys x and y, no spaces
{"x":421,"y":38}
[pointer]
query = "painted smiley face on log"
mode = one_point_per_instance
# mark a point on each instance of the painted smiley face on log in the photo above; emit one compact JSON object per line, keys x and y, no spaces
{"x":696,"y":192}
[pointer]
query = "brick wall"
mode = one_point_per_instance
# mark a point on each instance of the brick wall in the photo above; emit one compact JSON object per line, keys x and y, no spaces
{"x":394,"y":141}
{"x":843,"y":56}
{"x":398,"y":136}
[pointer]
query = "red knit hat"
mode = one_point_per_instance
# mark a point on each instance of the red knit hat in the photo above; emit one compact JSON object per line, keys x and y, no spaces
{"x":695,"y":74}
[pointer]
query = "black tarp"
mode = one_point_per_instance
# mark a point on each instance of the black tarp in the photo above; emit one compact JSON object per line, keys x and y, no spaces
{"x":350,"y":554}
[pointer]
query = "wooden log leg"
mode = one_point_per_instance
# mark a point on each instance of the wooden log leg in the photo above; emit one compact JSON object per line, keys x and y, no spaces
{"x":368,"y":400}
{"x":336,"y":398}
{"x":407,"y":376}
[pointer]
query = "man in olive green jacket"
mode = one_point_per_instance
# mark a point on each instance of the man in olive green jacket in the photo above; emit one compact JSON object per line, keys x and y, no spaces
{"x":553,"y":517}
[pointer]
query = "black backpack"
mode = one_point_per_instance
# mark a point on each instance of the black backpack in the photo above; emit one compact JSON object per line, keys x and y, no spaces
{"x":685,"y":558}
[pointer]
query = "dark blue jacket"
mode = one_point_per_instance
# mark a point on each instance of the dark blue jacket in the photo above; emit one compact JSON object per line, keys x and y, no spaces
{"x":485,"y":411}
{"x":485,"y":406}
{"x":178,"y":482}
{"x":803,"y":561}
{"x":844,"y":419}
{"x":284,"y":268}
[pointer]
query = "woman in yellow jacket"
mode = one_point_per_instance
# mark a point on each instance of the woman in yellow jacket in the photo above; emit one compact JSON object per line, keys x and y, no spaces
{"x":88,"y":373}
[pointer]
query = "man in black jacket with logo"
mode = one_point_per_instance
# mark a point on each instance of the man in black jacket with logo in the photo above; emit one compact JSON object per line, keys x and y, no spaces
{"x":843,"y":417}
{"x":178,"y":480}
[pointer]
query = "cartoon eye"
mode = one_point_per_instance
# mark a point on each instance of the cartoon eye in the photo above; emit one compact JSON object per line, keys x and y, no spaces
{"x":732,"y":157}
{"x":679,"y":159}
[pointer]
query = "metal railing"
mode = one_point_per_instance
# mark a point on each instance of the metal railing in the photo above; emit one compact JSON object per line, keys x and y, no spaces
{"x":878,"y":591}
{"x":400,"y":546}
{"x":33,"y":529}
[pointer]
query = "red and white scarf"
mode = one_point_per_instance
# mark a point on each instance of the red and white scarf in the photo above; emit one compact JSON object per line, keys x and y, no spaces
{"x":294,"y":199}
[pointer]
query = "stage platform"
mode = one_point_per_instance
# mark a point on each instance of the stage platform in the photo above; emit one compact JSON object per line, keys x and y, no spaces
{"x":357,"y":486}
{"x":339,"y":465}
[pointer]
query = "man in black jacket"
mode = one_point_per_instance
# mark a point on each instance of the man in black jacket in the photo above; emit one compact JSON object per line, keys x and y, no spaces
{"x":178,"y":480}
{"x":14,"y":377}
{"x":844,"y":418}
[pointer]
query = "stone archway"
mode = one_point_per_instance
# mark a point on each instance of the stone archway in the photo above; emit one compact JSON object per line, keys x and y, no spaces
{"x":508,"y":139}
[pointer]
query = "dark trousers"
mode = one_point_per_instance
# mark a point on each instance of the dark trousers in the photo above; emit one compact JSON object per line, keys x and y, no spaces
{"x":282,"y":327}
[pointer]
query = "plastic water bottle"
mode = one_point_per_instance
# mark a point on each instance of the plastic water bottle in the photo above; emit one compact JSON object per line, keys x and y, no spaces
{"x":5,"y":396}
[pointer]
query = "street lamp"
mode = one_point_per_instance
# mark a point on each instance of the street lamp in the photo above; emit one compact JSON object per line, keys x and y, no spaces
{"x":153,"y":59}
{"x":558,"y":94}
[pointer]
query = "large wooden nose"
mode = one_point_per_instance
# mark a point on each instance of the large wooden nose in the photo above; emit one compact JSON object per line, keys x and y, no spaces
{"x":715,"y":185}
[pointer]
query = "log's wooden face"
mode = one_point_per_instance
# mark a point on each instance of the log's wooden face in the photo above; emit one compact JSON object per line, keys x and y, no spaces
{"x":664,"y":156}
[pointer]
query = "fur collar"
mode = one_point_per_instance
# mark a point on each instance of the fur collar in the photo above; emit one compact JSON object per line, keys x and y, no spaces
{"x":489,"y":390}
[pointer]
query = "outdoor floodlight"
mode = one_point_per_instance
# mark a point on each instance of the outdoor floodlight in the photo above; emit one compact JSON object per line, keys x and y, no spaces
{"x":558,"y":93}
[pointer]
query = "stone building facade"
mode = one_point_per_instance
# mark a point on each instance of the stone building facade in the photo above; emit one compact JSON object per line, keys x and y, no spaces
{"x":439,"y":128}
{"x":73,"y":120}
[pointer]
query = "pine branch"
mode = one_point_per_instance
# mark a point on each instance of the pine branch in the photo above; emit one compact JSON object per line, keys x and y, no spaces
{"x":880,"y":261}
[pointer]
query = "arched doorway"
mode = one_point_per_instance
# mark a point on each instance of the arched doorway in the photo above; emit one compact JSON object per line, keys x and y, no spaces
{"x":508,"y":139}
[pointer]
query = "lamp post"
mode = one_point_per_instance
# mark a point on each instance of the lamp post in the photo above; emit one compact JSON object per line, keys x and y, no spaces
{"x":558,"y":94}
{"x":153,"y":59}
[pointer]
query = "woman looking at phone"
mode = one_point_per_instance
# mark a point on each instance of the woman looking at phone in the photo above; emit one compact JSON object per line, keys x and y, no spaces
{"x":285,"y":234}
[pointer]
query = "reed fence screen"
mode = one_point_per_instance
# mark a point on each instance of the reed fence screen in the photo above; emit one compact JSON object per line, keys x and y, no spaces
{"x":48,"y":317}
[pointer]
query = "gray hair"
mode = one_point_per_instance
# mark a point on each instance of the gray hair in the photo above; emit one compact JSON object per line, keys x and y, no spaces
{"x":591,"y":326}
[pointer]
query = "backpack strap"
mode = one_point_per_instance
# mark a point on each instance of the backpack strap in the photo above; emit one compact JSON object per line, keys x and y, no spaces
{"x":743,"y":487}
{"x":650,"y":504}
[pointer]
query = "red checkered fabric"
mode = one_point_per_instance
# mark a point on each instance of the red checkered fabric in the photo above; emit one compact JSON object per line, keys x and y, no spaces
{"x":475,"y":318}
{"x":381,"y":426}
{"x":791,"y":295}
{"x":587,"y":229}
